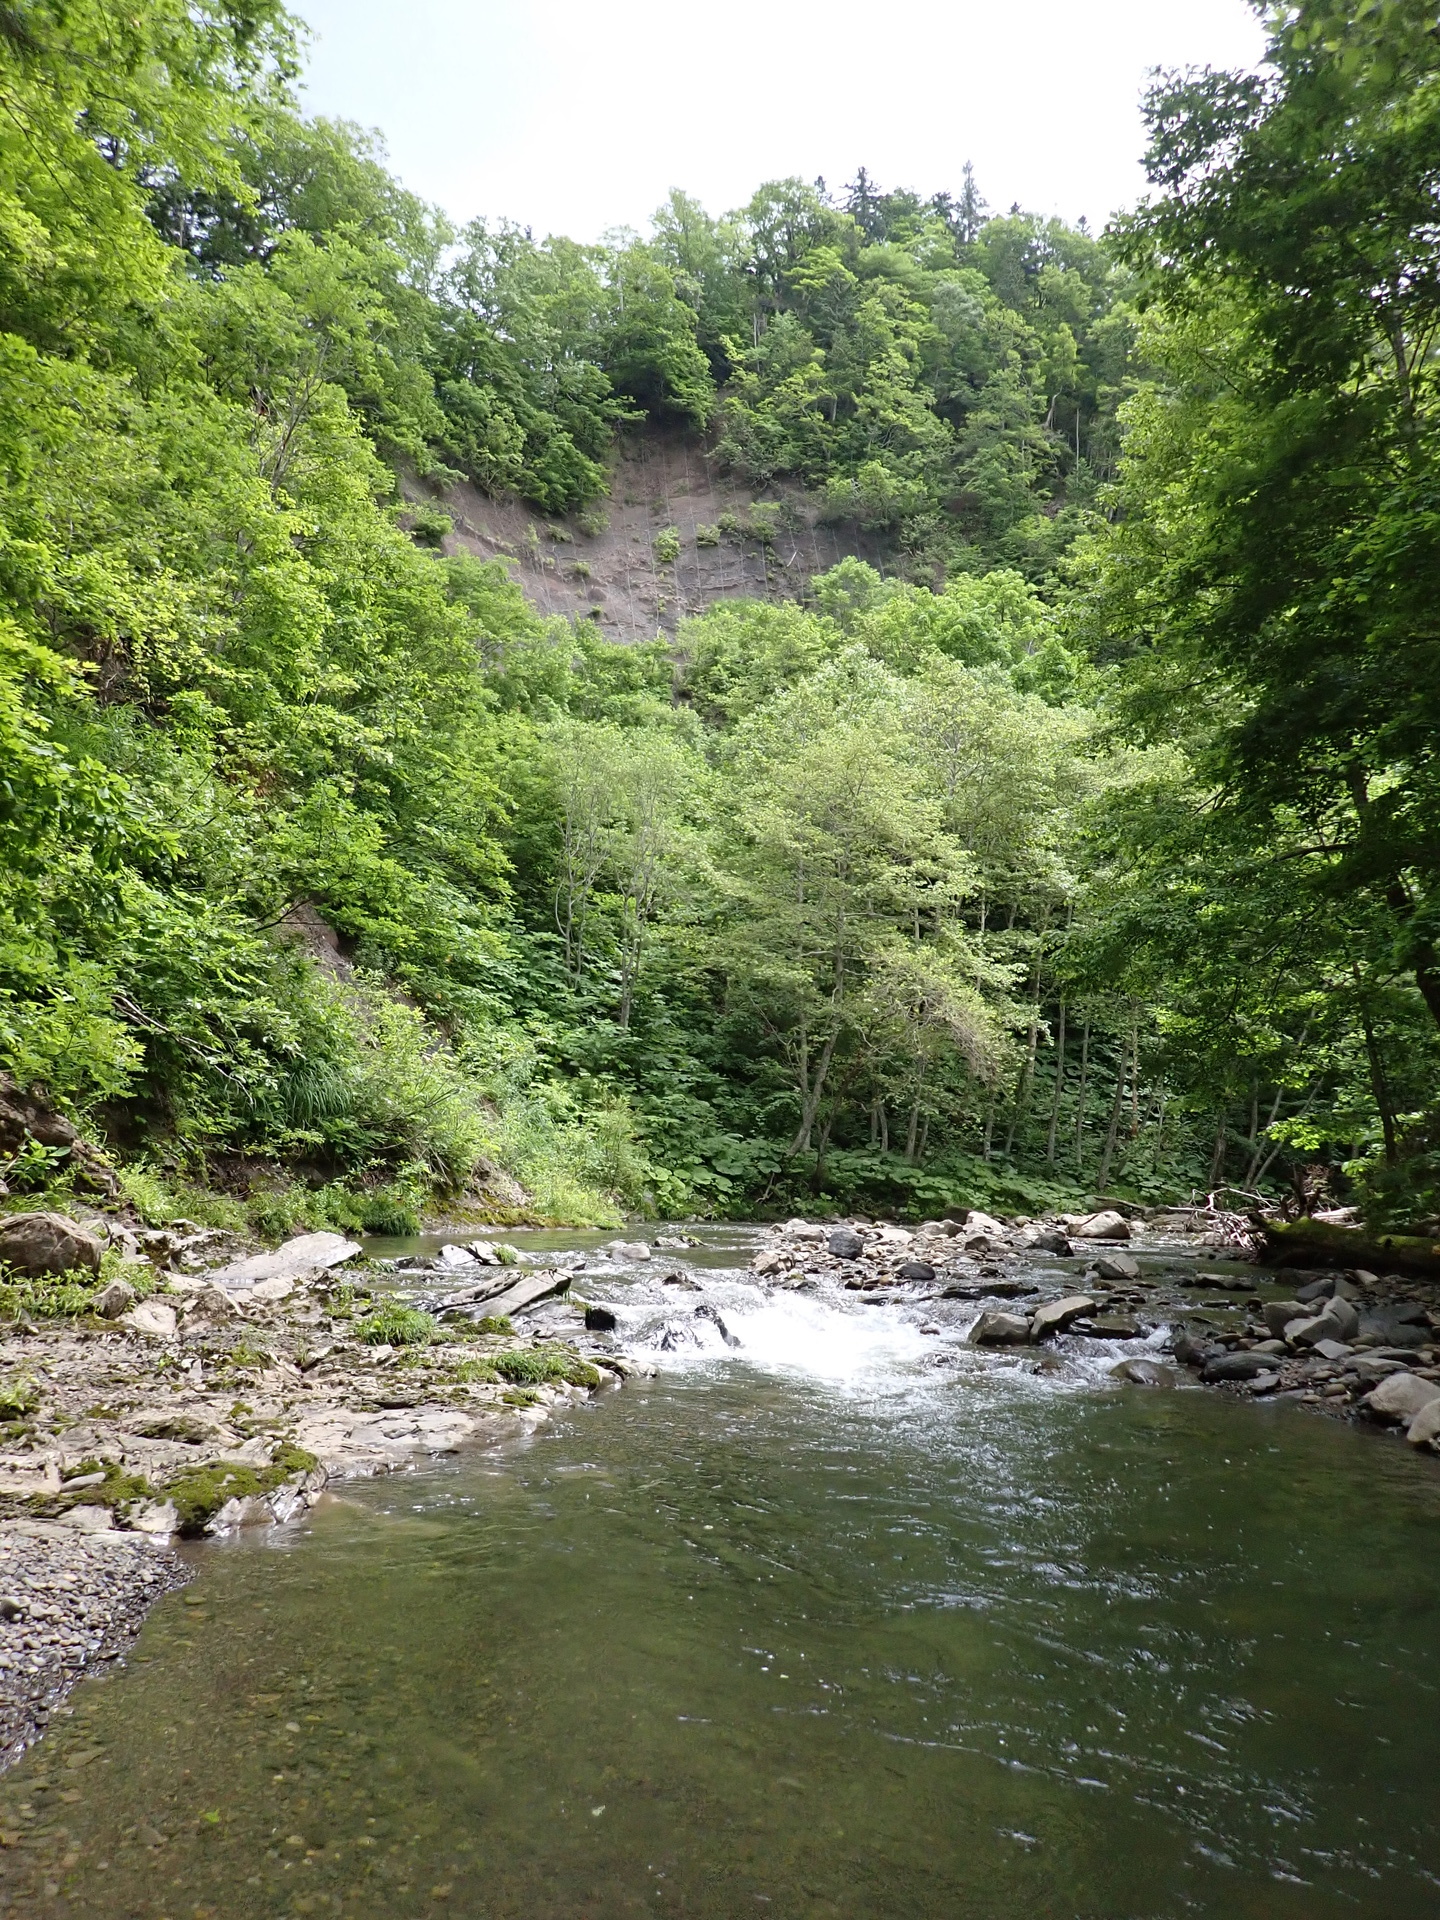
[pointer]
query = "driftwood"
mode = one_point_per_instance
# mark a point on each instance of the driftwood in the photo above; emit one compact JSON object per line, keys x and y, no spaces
{"x":1318,"y":1243}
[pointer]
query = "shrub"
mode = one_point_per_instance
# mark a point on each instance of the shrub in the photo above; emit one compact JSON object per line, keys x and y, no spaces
{"x":666,"y":545}
{"x":429,"y":525}
{"x":707,"y":536}
{"x":593,"y":521}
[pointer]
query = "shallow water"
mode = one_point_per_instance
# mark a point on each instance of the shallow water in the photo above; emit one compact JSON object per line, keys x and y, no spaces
{"x":813,"y":1626}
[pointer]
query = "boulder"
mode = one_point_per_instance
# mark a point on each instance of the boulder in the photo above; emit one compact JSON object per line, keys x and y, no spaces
{"x":1237,"y":1366}
{"x":484,"y":1251}
{"x":1115,"y":1266}
{"x":23,"y":1118}
{"x":152,"y":1317}
{"x":772,"y":1260}
{"x":599,"y":1320}
{"x":1107,"y":1225}
{"x":1143,"y":1373}
{"x":845,"y":1243}
{"x":114,"y":1300}
{"x":1424,"y":1428}
{"x":995,"y":1329}
{"x":1400,"y":1397}
{"x":1056,"y":1315}
{"x":918,"y":1271}
{"x":986,"y":1223}
{"x":40,"y":1244}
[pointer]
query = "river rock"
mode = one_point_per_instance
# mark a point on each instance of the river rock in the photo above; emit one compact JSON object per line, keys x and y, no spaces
{"x":1046,"y":1240}
{"x":1115,"y":1266}
{"x":772,"y":1260}
{"x":1143,"y":1373}
{"x":485,"y":1251}
{"x":1321,"y":1289}
{"x":1110,"y":1326}
{"x":599,"y":1320}
{"x":629,"y":1249}
{"x":307,"y":1253}
{"x":1056,"y":1315}
{"x":1278,"y":1314}
{"x":996,"y":1329}
{"x":152,"y":1317}
{"x":1424,"y":1428}
{"x":1236,"y":1366}
{"x":1107,"y":1225}
{"x":1400,"y":1397}
{"x":845,"y":1244}
{"x":40,"y":1244}
{"x":1191,"y":1350}
{"x":918,"y":1271}
{"x":114,"y":1300}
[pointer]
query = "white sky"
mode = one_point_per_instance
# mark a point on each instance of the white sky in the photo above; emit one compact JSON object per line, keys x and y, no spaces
{"x":573,"y":116}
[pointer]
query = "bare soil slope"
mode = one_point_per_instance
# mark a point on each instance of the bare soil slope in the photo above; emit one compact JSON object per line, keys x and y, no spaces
{"x":604,"y":565}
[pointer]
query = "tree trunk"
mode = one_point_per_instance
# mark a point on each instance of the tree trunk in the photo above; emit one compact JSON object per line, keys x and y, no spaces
{"x":1080,"y":1101}
{"x":1059,"y":1087}
{"x":1116,"y":1110}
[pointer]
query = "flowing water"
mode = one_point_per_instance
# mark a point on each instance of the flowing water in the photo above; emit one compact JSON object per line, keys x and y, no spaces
{"x":837,"y":1622}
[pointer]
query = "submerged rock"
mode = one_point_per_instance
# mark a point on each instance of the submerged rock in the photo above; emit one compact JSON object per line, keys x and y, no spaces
{"x":599,"y":1320}
{"x":1143,"y":1373}
{"x":1237,"y":1366}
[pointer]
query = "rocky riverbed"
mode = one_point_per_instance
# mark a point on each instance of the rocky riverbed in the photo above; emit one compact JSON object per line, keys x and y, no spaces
{"x":192,"y":1387}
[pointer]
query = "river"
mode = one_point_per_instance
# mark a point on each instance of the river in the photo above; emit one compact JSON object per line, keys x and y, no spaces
{"x":833,"y":1622}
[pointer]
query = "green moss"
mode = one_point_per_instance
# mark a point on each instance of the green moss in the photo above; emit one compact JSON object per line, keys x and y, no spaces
{"x":521,"y":1397}
{"x":499,"y":1323}
{"x":200,"y":1495}
{"x":475,"y":1372}
{"x":396,"y":1326}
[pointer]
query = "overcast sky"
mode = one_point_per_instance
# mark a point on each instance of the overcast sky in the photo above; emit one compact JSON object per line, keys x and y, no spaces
{"x":573,"y":116}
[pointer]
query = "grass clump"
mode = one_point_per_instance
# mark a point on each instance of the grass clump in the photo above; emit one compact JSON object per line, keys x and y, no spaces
{"x":495,"y":1323}
{"x":395,"y":1326}
{"x":19,"y":1397}
{"x":539,"y":1366}
{"x":475,"y":1373}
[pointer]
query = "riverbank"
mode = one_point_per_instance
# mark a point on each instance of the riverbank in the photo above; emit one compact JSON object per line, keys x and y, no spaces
{"x":199,"y":1393}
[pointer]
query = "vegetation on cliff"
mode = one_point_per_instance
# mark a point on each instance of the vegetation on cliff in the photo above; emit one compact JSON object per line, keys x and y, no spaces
{"x":1088,"y":841}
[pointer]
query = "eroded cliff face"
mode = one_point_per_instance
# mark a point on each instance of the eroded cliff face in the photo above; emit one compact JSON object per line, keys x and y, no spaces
{"x":735,"y":541}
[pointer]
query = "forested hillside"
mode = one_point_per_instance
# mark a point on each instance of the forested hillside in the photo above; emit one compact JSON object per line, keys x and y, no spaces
{"x":1080,"y":838}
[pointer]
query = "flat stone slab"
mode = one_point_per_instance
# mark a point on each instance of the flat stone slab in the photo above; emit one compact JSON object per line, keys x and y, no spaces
{"x":528,"y":1292}
{"x":307,"y":1253}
